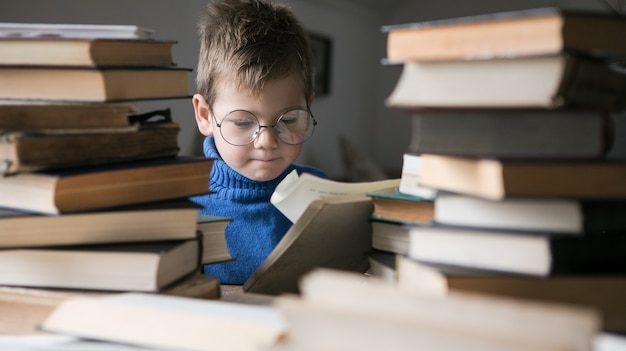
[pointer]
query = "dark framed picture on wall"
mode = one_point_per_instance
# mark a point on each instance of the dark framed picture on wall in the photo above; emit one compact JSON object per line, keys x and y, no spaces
{"x":321,"y":47}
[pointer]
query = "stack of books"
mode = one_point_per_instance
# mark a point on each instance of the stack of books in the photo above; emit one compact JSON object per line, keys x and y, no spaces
{"x":93,"y":193}
{"x":511,"y":118}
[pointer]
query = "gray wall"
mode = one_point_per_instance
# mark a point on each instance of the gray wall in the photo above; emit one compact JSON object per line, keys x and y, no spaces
{"x":359,"y":83}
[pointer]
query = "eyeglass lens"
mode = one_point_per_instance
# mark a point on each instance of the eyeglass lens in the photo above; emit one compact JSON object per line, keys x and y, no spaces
{"x":242,"y":127}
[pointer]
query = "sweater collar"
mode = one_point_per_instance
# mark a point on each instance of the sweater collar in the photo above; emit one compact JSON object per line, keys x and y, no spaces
{"x":223,"y":176}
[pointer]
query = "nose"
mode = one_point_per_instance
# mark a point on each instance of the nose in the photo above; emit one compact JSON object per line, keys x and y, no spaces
{"x":268,"y":140}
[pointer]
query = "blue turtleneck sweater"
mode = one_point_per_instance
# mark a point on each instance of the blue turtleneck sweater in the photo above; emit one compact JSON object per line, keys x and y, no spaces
{"x":257,"y":225}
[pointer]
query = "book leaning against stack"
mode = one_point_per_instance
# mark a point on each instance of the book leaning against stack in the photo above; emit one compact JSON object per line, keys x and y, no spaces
{"x":512,"y":124}
{"x":93,"y":192}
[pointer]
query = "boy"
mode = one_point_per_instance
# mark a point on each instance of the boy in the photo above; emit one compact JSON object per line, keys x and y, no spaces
{"x":255,"y":89}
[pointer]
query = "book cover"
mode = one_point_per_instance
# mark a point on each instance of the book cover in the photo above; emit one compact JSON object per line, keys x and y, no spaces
{"x":176,"y":322}
{"x":497,"y":179}
{"x":549,"y":81}
{"x":87,"y":52}
{"x":333,"y":232}
{"x":517,"y":252}
{"x":519,"y":33}
{"x":512,"y":133}
{"x":93,"y":84}
{"x":392,"y":205}
{"x":106,"y":186}
{"x":166,"y":220}
{"x":29,"y":150}
{"x":139,"y":266}
{"x":603,"y":292}
{"x":59,"y":116}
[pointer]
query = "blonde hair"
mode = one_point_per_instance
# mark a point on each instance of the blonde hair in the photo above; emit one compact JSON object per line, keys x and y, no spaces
{"x":251,"y":42}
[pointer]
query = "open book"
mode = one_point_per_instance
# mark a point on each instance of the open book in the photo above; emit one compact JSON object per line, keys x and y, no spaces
{"x":295,"y":193}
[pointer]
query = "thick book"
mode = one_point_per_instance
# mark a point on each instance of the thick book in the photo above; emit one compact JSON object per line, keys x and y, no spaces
{"x":50,"y":116}
{"x":553,"y":81}
{"x":512,"y":133}
{"x":89,"y":52}
{"x":602,"y":292}
{"x":518,"y":252}
{"x":106,"y":186}
{"x":67,"y":30}
{"x":166,"y":220}
{"x":29,"y":150}
{"x":139,"y":266}
{"x":347,"y":311}
{"x":333,"y":232}
{"x":101,"y":84}
{"x":536,"y":31}
{"x":497,"y":179}
{"x":532,"y":214}
{"x":213,"y":238}
{"x":174,"y":322}
{"x":392,"y":205}
{"x":25,"y":308}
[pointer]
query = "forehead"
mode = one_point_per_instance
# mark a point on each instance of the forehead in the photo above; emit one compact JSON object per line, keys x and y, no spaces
{"x":276,"y":95}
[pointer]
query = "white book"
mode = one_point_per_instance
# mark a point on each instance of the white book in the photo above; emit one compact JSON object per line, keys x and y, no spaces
{"x":60,"y":30}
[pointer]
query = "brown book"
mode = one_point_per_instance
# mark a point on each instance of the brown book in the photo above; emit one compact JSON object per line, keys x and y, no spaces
{"x":506,"y":34}
{"x":347,"y":311}
{"x":93,"y":84}
{"x":47,"y":115}
{"x":392,"y":205}
{"x":548,"y":81}
{"x":104,"y":186}
{"x":24,"y":309}
{"x":27,"y":151}
{"x":165,"y":220}
{"x":56,"y":51}
{"x":332,"y":232}
{"x":497,"y":179}
{"x":603,"y":292}
{"x":138,"y":266}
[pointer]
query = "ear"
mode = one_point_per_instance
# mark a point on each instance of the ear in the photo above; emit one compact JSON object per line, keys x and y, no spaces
{"x":203,"y":115}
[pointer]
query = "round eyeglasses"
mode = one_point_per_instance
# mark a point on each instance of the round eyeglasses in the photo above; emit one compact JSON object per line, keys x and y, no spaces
{"x":241,"y":127}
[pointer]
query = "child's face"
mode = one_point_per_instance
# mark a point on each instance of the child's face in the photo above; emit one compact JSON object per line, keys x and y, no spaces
{"x":267,"y":156}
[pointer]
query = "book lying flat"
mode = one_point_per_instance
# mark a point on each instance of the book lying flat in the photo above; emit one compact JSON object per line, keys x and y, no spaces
{"x":497,"y":179}
{"x":392,"y":205}
{"x":140,"y":266}
{"x":93,"y":84}
{"x":515,"y":252}
{"x":25,"y":308}
{"x":333,"y":232}
{"x":106,"y":186}
{"x":27,"y":151}
{"x":603,"y":292}
{"x":50,"y":51}
{"x":513,"y":133}
{"x":531,"y":213}
{"x":167,"y":220}
{"x":347,"y":311}
{"x":508,"y":34}
{"x":50,"y":116}
{"x":174,"y":322}
{"x":552,"y":81}
{"x":213,"y":238}
{"x":67,"y":30}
